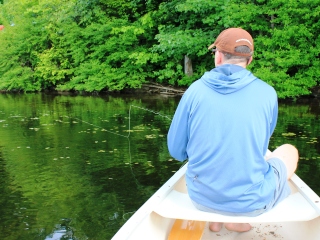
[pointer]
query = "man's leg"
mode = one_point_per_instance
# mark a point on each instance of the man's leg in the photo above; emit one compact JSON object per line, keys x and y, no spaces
{"x":289,"y":155}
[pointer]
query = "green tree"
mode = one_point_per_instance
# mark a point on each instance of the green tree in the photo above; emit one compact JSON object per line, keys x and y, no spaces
{"x":286,"y":37}
{"x":184,"y":31}
{"x":110,"y":45}
{"x":18,"y":44}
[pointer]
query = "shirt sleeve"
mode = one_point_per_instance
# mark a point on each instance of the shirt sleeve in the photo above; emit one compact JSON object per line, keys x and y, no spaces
{"x":274,"y":117}
{"x":178,"y":132}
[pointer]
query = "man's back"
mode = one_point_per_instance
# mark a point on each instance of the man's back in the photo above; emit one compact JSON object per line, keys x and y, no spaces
{"x":229,"y":115}
{"x":223,"y":125}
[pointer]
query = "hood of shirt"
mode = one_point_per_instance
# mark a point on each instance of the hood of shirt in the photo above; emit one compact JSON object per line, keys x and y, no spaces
{"x":227,"y":78}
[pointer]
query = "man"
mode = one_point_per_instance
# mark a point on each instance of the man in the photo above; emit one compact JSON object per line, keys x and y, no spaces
{"x":223,"y":125}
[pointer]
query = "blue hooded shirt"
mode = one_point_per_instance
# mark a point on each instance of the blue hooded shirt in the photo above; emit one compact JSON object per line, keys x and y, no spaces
{"x":222,"y":125}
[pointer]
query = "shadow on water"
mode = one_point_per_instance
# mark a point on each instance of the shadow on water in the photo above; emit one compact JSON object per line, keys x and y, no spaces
{"x":77,"y":167}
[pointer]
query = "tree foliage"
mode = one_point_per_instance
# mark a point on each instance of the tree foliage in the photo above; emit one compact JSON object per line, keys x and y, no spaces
{"x":115,"y":44}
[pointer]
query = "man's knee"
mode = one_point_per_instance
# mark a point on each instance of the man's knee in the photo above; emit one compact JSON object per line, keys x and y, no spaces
{"x":291,"y":152}
{"x":286,"y":151}
{"x":290,"y":147}
{"x":289,"y":155}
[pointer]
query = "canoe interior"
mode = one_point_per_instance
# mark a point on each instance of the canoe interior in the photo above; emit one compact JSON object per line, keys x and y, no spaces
{"x":147,"y":224}
{"x":157,"y":228}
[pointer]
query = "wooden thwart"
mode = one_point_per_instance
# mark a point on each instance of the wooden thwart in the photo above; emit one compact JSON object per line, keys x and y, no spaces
{"x":187,"y":230}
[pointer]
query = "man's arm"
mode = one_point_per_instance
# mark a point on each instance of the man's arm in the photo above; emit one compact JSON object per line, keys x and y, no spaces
{"x":178,"y":132}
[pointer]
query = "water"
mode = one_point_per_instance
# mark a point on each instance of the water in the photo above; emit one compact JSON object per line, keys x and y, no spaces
{"x":79,"y":166}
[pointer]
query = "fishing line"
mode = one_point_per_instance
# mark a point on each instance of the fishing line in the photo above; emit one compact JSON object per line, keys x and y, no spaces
{"x":145,"y":109}
{"x":126,"y":215}
{"x":129,"y":131}
{"x":129,"y":123}
{"x":96,"y":126}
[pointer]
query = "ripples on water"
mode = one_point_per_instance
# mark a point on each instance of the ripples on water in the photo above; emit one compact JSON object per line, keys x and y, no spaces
{"x":79,"y":166}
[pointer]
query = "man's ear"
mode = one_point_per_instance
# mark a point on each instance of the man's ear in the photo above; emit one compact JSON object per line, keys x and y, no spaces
{"x":249,"y":61}
{"x":218,"y":58}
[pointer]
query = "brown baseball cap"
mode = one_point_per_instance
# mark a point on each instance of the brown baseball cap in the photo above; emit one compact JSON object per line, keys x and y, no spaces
{"x":231,"y":38}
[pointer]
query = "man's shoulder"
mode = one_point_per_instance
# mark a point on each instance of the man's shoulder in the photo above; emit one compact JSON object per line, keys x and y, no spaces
{"x":195,"y":86}
{"x":260,"y":89}
{"x":264,"y":85}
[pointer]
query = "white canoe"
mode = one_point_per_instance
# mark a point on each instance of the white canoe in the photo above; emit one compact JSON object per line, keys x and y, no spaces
{"x":295,"y":218}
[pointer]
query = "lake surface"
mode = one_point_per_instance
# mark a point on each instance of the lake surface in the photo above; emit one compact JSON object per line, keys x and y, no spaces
{"x":77,"y":167}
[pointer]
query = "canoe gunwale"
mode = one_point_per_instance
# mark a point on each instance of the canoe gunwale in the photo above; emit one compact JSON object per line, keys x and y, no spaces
{"x":306,"y":192}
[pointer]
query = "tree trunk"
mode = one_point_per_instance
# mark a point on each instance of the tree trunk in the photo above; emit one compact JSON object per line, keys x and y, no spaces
{"x":188,"y":66}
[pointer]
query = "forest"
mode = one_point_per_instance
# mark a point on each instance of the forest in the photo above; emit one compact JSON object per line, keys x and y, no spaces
{"x":111,"y":45}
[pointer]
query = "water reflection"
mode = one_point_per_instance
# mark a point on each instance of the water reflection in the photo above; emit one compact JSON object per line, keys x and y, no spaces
{"x":70,"y":157}
{"x":77,"y":167}
{"x":299,"y":125}
{"x":61,"y":231}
